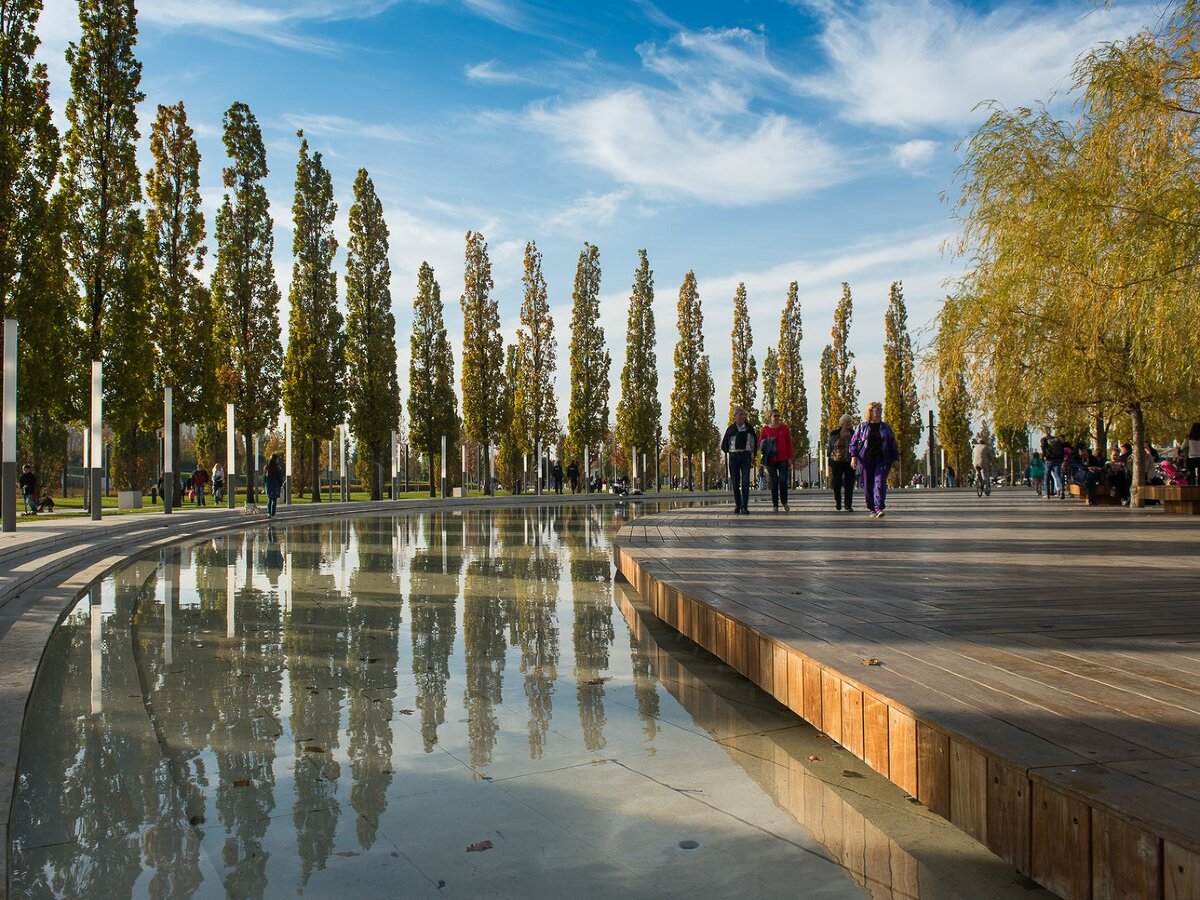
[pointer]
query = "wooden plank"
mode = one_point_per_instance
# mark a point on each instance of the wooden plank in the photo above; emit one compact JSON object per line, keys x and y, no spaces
{"x":794,"y":692}
{"x":1062,"y":842}
{"x":783,"y":679}
{"x":933,"y":769}
{"x":1181,"y":873}
{"x":831,"y":704}
{"x":1008,"y":814}
{"x":1126,"y":861}
{"x":812,"y":695}
{"x":968,"y":790}
{"x":875,"y":734}
{"x":902,"y":750}
{"x":852,"y":719}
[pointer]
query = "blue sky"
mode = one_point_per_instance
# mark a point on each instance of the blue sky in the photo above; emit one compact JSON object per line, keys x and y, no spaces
{"x":762,"y":142}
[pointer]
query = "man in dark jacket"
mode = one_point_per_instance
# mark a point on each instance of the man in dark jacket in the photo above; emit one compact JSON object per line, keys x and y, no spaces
{"x":738,"y":445}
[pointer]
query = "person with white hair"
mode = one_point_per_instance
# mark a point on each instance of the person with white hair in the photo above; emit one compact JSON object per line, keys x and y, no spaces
{"x":841,"y":472}
{"x":739,"y":445}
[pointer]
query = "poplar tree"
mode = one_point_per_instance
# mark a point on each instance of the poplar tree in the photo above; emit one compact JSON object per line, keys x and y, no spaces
{"x":639,"y":411}
{"x":432,"y":404}
{"x":245,"y":295}
{"x":483,"y":348}
{"x":374,"y":391}
{"x":792,"y":398}
{"x":692,"y":405}
{"x":954,"y":418}
{"x":901,"y":405}
{"x":536,"y":413}
{"x":743,"y":385}
{"x":770,"y":384}
{"x":827,"y":421}
{"x":587,"y":419}
{"x":843,"y":392}
{"x":509,"y":453}
{"x":180,"y":304}
{"x":314,"y":369}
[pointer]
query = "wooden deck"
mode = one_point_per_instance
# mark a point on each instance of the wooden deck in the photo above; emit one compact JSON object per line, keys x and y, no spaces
{"x":1038,"y":664}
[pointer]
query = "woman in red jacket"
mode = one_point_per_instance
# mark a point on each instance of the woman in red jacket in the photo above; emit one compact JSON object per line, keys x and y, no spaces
{"x":775,"y":442}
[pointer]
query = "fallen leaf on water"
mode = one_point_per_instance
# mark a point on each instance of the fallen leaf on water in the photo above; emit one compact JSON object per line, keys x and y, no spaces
{"x":241,"y":782}
{"x":814,"y":759}
{"x":346,"y":853}
{"x":872,"y":661}
{"x":480,"y":846}
{"x":313,"y":748}
{"x":406,"y":712}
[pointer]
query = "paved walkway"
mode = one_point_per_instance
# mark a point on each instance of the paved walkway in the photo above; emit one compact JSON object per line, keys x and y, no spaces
{"x":1029,"y":670}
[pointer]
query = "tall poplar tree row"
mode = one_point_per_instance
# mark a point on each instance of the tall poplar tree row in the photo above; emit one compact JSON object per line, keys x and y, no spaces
{"x":509,"y":453}
{"x":180,"y":303}
{"x":828,"y":423}
{"x":587,"y":419}
{"x":314,"y":369}
{"x":483,"y":349}
{"x":104,"y":233}
{"x":639,"y":411}
{"x":792,"y":398}
{"x":374,"y":391}
{"x":536,"y":413}
{"x":843,"y":390}
{"x":432,"y":404}
{"x":245,"y":295}
{"x":901,"y":405}
{"x":692,"y":404}
{"x":34,"y":284}
{"x":743,"y":384}
{"x":770,"y":384}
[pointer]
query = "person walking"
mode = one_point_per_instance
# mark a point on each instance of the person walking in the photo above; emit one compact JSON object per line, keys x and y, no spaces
{"x":841,"y":471}
{"x":775,"y":444}
{"x":272,"y":483}
{"x":873,"y":449}
{"x":739,"y":445}
{"x":218,"y":477}
{"x":556,"y":475}
{"x":983,"y":460}
{"x":1191,"y":451}
{"x":1037,"y":472}
{"x":573,"y":476}
{"x":1052,"y":453}
{"x":199,"y":480}
{"x":27,"y":481}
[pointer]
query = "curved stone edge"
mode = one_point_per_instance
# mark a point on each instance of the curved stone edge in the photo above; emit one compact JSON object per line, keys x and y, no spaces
{"x":1049,"y":824}
{"x":55,"y":572}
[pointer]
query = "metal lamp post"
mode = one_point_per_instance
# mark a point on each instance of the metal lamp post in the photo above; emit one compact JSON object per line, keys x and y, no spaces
{"x":230,"y":457}
{"x":168,"y":478}
{"x":9,"y":474}
{"x":97,"y":435}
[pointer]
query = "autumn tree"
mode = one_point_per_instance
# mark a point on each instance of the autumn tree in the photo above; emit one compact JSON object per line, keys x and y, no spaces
{"x":770,"y":384}
{"x":432,"y":404}
{"x":175,"y":251}
{"x":483,"y":348}
{"x":535,"y":415}
{"x":954,"y":416}
{"x":587,"y":418}
{"x":639,"y":411}
{"x":509,"y":454}
{"x":843,"y":375}
{"x":373,"y":388}
{"x":901,"y":406}
{"x":827,"y":422}
{"x":791,"y":397}
{"x":692,"y":408}
{"x":245,"y":295}
{"x":743,"y":383}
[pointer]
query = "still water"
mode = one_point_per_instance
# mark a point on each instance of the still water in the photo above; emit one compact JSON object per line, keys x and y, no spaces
{"x":435,"y":705}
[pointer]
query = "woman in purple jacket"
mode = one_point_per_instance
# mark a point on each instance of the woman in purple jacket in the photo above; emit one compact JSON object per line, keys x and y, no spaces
{"x":873,"y":451}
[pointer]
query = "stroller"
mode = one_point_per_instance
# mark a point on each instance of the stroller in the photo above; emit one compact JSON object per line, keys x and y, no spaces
{"x":1170,"y":473}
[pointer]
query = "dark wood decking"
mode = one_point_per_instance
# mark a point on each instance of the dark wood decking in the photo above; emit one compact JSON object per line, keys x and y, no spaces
{"x":1038,"y":676}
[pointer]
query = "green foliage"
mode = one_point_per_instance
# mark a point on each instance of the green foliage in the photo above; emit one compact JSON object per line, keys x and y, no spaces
{"x":791,"y":397}
{"x":770,"y":384}
{"x":954,"y":418}
{"x":483,"y":347}
{"x":245,"y":295}
{"x":536,"y":413}
{"x":901,"y":406}
{"x":843,"y":390}
{"x":639,"y":411}
{"x":692,"y":407}
{"x":587,"y":418}
{"x":743,"y":383}
{"x":432,"y":405}
{"x":374,"y":389}
{"x":827,"y":423}
{"x":509,"y":454}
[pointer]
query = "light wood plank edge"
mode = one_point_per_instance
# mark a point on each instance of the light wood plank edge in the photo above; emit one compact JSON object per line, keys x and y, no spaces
{"x":1069,"y":846}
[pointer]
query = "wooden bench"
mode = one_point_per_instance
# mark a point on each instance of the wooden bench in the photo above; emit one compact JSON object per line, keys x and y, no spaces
{"x":1175,"y":498}
{"x":1103,"y":498}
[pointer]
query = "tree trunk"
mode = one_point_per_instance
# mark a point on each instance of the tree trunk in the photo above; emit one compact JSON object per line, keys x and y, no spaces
{"x":376,"y":474}
{"x":316,"y":470}
{"x":1136,"y":501}
{"x":432,"y":492}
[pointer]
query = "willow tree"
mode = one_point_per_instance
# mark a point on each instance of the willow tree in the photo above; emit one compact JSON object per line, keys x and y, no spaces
{"x":692,"y":406}
{"x":770,"y":384}
{"x":587,"y":418}
{"x":245,"y":295}
{"x":791,"y":397}
{"x":639,"y":411}
{"x":901,"y":405}
{"x":483,"y":348}
{"x":175,"y":251}
{"x":536,"y":414}
{"x":373,"y":389}
{"x":432,"y":404}
{"x":1083,"y":242}
{"x":843,"y":375}
{"x":743,"y":382}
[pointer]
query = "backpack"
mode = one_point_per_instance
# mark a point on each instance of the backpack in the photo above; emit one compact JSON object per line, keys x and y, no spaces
{"x":1054,"y":447}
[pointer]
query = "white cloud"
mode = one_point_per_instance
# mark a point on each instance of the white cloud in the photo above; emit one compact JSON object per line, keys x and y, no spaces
{"x":913,"y":156}
{"x":913,"y":63}
{"x":489,"y":72}
{"x":317,"y":125}
{"x":587,"y":212}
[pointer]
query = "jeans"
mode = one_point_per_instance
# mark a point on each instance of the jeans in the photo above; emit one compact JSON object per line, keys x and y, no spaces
{"x":1054,"y":477}
{"x":272,"y":500}
{"x":778,"y":473}
{"x":739,"y":475}
{"x":199,"y":494}
{"x":875,"y":485}
{"x":30,"y":503}
{"x":842,"y":475}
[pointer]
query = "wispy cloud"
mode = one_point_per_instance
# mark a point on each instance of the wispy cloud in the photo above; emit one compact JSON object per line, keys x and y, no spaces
{"x":317,"y":125}
{"x":917,"y":63}
{"x":490,"y":72}
{"x":914,"y":156}
{"x":586,"y":213}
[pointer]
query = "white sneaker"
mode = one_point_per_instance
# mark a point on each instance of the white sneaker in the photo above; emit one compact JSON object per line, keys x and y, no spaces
{"x":879,"y":515}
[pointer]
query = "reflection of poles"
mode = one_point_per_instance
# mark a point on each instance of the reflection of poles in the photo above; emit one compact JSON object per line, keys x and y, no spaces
{"x":9,"y":473}
{"x":230,"y":457}
{"x":96,"y":646}
{"x":230,"y":589}
{"x":168,"y":476}
{"x":170,"y":572}
{"x":97,"y":436}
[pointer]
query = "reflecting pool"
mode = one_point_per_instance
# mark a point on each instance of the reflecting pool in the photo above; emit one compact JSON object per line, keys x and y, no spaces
{"x":435,"y":705}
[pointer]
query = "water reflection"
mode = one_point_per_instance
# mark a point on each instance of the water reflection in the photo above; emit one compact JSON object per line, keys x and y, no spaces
{"x":339,"y":707}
